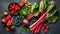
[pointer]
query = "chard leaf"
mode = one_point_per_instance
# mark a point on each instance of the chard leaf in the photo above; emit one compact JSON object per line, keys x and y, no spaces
{"x":35,"y":5}
{"x":37,"y":13}
{"x":52,"y":19}
{"x":51,"y":5}
{"x":51,"y":13}
{"x":41,"y":6}
{"x":45,"y":5}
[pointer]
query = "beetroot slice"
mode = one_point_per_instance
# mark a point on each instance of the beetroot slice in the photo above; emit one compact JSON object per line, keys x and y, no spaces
{"x":8,"y":17}
{"x":10,"y":21}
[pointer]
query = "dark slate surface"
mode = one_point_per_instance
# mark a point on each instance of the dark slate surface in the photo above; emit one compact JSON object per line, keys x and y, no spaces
{"x":54,"y":28}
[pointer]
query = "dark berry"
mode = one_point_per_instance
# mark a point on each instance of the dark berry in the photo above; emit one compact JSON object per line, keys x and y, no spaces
{"x":18,"y":20}
{"x":33,"y":20}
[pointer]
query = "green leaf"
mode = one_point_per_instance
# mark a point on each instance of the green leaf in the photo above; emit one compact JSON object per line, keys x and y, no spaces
{"x":34,"y":6}
{"x":52,"y":19}
{"x":37,"y":13}
{"x":24,"y":29}
{"x":51,"y":5}
{"x":24,"y":11}
{"x":41,"y":6}
{"x":28,"y":29}
{"x":45,"y":4}
{"x":51,"y":13}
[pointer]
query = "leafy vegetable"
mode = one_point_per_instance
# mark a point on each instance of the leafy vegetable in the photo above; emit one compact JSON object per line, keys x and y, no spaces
{"x":24,"y":29}
{"x":41,"y":6}
{"x":34,"y":6}
{"x":45,"y":4}
{"x":37,"y":13}
{"x":52,"y":19}
{"x":24,"y":11}
{"x":52,"y":13}
{"x":51,"y":5}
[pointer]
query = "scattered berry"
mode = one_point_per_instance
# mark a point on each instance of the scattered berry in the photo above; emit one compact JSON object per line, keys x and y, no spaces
{"x":25,"y":22}
{"x":5,"y":13}
{"x":12,"y":27}
{"x":43,"y":27}
{"x":47,"y":26}
{"x":3,"y":20}
{"x":45,"y":31}
{"x":7,"y":29}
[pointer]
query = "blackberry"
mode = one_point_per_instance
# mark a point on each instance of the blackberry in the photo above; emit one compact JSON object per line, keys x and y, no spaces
{"x":32,"y":20}
{"x":18,"y":20}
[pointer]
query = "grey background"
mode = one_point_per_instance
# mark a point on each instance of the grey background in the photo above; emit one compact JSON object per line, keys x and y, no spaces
{"x":54,"y":28}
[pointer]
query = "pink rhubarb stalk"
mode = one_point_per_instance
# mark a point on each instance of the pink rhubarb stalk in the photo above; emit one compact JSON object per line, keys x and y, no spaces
{"x":39,"y":19}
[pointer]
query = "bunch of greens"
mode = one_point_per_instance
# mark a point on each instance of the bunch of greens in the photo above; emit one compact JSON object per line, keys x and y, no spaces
{"x":24,"y":11}
{"x":48,"y":6}
{"x":24,"y":29}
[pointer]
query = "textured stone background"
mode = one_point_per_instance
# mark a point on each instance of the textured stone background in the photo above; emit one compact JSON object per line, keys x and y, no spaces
{"x":54,"y":28}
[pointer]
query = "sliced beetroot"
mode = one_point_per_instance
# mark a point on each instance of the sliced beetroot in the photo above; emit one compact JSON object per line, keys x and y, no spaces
{"x":21,"y":4}
{"x":8,"y":17}
{"x":10,"y":21}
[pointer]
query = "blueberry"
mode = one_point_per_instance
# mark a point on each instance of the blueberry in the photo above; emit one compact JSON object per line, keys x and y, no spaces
{"x":18,"y":20}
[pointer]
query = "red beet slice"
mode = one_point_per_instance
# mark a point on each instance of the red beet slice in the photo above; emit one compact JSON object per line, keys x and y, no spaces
{"x":8,"y":17}
{"x":10,"y":21}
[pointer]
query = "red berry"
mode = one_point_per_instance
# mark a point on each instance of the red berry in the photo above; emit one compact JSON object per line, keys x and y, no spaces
{"x":21,"y":3}
{"x":12,"y":12}
{"x":45,"y":31}
{"x":10,"y":5}
{"x":10,"y":8}
{"x":13,"y":7}
{"x":16,"y":8}
{"x":47,"y":27}
{"x":14,"y":4}
{"x":43,"y":27}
